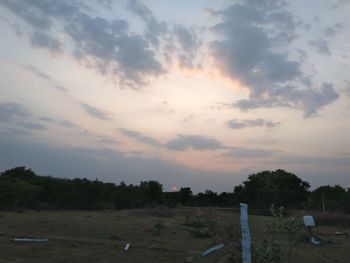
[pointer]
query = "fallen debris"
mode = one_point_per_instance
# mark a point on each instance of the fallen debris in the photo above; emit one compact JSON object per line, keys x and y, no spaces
{"x":126,"y":248}
{"x":315,"y":241}
{"x":338,"y":233}
{"x":30,"y":240}
{"x":212,"y":249}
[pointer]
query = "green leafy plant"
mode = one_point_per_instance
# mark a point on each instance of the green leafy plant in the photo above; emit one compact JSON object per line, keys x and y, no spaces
{"x":270,"y":250}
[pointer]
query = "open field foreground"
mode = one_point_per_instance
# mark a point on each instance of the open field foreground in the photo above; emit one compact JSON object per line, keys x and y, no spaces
{"x":155,"y":235}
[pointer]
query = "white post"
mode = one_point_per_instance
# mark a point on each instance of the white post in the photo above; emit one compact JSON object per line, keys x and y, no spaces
{"x":246,"y":257}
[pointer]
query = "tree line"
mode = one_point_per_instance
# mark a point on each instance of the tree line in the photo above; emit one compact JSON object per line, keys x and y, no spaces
{"x":21,"y":188}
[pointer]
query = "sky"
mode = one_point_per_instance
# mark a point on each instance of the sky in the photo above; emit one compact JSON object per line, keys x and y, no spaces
{"x":190,"y":93}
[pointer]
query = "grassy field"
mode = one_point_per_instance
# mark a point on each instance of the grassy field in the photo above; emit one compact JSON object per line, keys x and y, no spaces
{"x":155,"y":235}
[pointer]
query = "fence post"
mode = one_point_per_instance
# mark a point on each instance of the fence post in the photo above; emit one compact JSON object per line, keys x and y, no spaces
{"x":246,"y":257}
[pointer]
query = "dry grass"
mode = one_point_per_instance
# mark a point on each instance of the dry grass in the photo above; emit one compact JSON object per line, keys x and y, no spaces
{"x":156,"y":235}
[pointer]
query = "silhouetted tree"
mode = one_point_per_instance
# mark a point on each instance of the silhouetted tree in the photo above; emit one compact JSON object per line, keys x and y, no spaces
{"x":185,"y":195}
{"x":273,"y":187}
{"x":152,"y":191}
{"x":335,"y":198}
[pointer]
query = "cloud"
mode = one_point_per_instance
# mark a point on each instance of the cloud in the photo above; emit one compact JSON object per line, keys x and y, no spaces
{"x":12,"y":131}
{"x":248,"y":153}
{"x":195,"y":142}
{"x":60,"y":87}
{"x":332,"y":31}
{"x":43,"y":40}
{"x":347,"y":89}
{"x":37,"y":72}
{"x":29,"y":12}
{"x":140,"y":137}
{"x":46,"y":119}
{"x":321,"y":46}
{"x":66,"y":123}
{"x":103,"y":139}
{"x":106,"y":139}
{"x":12,"y":111}
{"x":15,"y":113}
{"x":41,"y":14}
{"x":253,"y":48}
{"x":310,"y":100}
{"x":94,"y":112}
{"x":240,"y":124}
{"x":245,"y":52}
{"x":154,"y":28}
{"x":188,"y":43}
{"x":107,"y":45}
{"x":32,"y":125}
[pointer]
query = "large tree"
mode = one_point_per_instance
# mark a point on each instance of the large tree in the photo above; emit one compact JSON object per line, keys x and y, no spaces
{"x":273,"y":187}
{"x":333,"y":197}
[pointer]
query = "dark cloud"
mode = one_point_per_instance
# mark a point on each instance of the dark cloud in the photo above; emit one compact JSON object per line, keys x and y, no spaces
{"x":94,"y":112}
{"x":245,"y":52}
{"x":40,"y":14}
{"x":248,"y":153}
{"x":253,"y":48}
{"x":107,"y":45}
{"x":30,"y":125}
{"x":15,"y":114}
{"x":321,"y":45}
{"x":12,"y":111}
{"x":30,"y":13}
{"x":310,"y":100}
{"x":195,"y":142}
{"x":189,"y":45}
{"x":44,"y":40}
{"x":240,"y":124}
{"x":112,"y":50}
{"x":154,"y":28}
{"x":140,"y":137}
